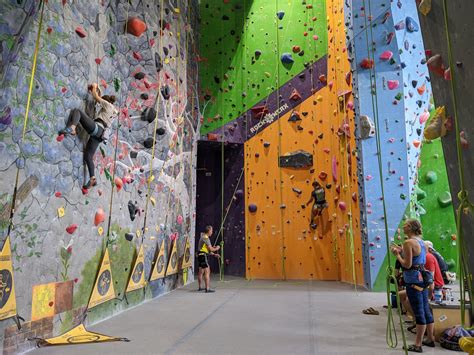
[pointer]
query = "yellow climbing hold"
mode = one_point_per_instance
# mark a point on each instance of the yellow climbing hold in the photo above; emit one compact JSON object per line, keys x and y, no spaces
{"x":138,"y":232}
{"x":267,"y":74}
{"x":319,"y":98}
{"x":153,"y":201}
{"x":100,"y":230}
{"x":151,"y":178}
{"x":61,"y":212}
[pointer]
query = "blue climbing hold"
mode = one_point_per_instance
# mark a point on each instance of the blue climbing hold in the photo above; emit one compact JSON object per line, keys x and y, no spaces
{"x":287,"y":58}
{"x":412,"y":26}
{"x":280,"y":14}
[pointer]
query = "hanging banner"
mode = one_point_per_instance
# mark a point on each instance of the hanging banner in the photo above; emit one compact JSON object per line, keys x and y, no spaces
{"x":137,"y":277}
{"x":78,"y":335}
{"x":104,"y":286}
{"x":186,"y":261}
{"x":159,"y":265}
{"x":7,"y":287}
{"x":173,"y":261}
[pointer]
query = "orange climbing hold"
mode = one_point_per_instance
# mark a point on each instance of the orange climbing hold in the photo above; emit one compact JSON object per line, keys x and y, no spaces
{"x":421,"y":90}
{"x":135,"y":26}
{"x":99,"y":217}
{"x":118,"y":183}
{"x":416,"y":143}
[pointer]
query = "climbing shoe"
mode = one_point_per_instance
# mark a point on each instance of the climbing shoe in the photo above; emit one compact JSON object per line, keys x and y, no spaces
{"x":210,"y":290}
{"x":92,"y":182}
{"x":68,"y":131}
{"x":413,"y":348}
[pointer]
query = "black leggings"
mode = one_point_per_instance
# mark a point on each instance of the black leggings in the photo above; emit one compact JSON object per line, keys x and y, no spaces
{"x":77,"y":116}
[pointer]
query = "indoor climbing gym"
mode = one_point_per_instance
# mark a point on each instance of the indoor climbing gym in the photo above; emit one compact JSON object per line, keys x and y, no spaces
{"x":236,"y":177}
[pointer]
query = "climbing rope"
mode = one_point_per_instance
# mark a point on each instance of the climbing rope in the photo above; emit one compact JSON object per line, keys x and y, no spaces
{"x":391,"y":334}
{"x":465,"y":203}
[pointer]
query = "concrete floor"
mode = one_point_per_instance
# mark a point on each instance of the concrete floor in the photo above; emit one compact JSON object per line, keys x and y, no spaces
{"x":256,"y":317}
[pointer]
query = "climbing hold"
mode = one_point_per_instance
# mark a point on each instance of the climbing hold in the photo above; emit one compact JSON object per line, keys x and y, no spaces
{"x":421,"y":90}
{"x":58,"y":194}
{"x":367,"y":127}
{"x":280,"y":15}
{"x":425,"y":7}
{"x":129,"y":236}
{"x":392,"y":84}
{"x":80,"y":32}
{"x":132,"y":209}
{"x":295,"y":95}
{"x":420,"y":194}
{"x":334,"y":169}
{"x":322,"y":175}
{"x":342,"y":206}
{"x":387,"y":55}
{"x":431,"y":177}
{"x":287,"y":58}
{"x":424,"y":117}
{"x":354,"y":196}
{"x":99,"y":217}
{"x":296,"y":159}
{"x":447,"y":74}
{"x":212,"y":137}
{"x":60,"y":138}
{"x":179,"y":219}
{"x":148,"y":142}
{"x":139,"y":76}
{"x":98,"y":61}
{"x":411,"y":24}
{"x":366,"y":63}
{"x":296,"y":49}
{"x":258,"y":53}
{"x":464,"y":141}
{"x":416,"y":143}
{"x":118,"y":183}
{"x":160,"y":131}
{"x":266,"y":144}
{"x":135,"y":26}
{"x":137,"y":56}
{"x":165,"y":92}
{"x":444,"y":199}
{"x":258,"y":112}
{"x":252,"y":207}
{"x":294,"y":117}
{"x":298,"y":191}
{"x":71,"y":229}
{"x":144,"y":96}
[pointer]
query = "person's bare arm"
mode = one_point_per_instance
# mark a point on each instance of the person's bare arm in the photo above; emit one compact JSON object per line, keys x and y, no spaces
{"x":95,"y":93}
{"x":311,"y":199}
{"x":406,"y":258}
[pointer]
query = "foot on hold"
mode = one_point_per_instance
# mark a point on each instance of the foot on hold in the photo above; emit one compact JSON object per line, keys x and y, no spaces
{"x":431,"y":343}
{"x":68,"y":131}
{"x":314,"y":226}
{"x":210,"y":290}
{"x":414,"y":348}
{"x":92,"y":182}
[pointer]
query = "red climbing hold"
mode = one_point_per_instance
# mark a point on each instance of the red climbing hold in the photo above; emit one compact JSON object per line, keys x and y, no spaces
{"x":296,"y":49}
{"x":259,"y":112}
{"x":71,"y":229}
{"x":447,"y":74}
{"x":118,"y":183}
{"x":135,"y":26}
{"x":58,"y":194}
{"x":367,"y":63}
{"x":295,"y":95}
{"x":322,"y":175}
{"x":323,"y":79}
{"x":137,"y":56}
{"x":98,"y":61}
{"x":80,"y":32}
{"x":416,"y":143}
{"x":49,"y":30}
{"x":60,"y":138}
{"x":212,"y":137}
{"x":99,"y":217}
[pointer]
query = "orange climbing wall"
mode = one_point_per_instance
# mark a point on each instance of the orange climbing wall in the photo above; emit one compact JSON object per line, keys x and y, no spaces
{"x":280,"y":244}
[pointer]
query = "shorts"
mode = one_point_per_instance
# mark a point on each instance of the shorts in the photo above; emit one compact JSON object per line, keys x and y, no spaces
{"x":202,"y":261}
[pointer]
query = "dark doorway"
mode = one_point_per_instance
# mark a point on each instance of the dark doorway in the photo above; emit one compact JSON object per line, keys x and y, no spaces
{"x":211,"y":209}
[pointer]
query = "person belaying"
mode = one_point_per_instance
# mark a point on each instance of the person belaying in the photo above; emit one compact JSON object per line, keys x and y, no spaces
{"x":205,"y":248}
{"x":96,"y":127}
{"x":319,"y":197}
{"x":412,"y":257}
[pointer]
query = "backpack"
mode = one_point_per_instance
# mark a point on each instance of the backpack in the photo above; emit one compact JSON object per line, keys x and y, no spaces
{"x":450,"y":338}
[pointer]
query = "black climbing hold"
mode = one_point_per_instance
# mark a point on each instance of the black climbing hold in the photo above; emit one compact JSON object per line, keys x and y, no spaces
{"x":144,"y":96}
{"x":158,"y":62}
{"x":165,"y":50}
{"x":133,"y":154}
{"x":160,"y":131}
{"x":225,"y":18}
{"x":132,"y":210}
{"x":139,"y":75}
{"x":295,"y":116}
{"x":149,"y":114}
{"x":148,"y":143}
{"x":297,"y":159}
{"x":129,"y":236}
{"x":252,"y":207}
{"x":165,"y":92}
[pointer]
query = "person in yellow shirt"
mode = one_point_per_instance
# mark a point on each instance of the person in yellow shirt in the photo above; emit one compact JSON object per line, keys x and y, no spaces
{"x":205,"y":248}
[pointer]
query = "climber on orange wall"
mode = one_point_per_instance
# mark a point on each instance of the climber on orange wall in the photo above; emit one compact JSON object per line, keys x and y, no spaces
{"x":205,"y":248}
{"x":97,"y":127}
{"x":319,"y":197}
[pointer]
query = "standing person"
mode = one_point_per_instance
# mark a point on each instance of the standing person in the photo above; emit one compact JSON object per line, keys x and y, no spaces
{"x":96,"y":127}
{"x":319,"y":197}
{"x":432,"y":266}
{"x":413,"y":258}
{"x":204,"y":249}
{"x":443,"y":266}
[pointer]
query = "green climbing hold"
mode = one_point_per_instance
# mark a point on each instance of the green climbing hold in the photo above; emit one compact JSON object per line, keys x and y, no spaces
{"x":403,"y":196}
{"x":421,"y":210}
{"x":431,"y":177}
{"x":116,"y":84}
{"x":113,"y":50}
{"x":420,"y":194}
{"x":444,"y":199}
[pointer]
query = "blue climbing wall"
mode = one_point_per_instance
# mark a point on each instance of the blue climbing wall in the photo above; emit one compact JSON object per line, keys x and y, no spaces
{"x":393,"y":92}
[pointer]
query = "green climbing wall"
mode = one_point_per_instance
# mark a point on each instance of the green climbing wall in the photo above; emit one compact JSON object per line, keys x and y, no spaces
{"x":233,"y":78}
{"x":439,"y":224}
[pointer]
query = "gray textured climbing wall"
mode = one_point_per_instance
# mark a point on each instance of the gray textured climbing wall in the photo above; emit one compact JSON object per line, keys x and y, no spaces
{"x":59,"y":228}
{"x":433,"y":28}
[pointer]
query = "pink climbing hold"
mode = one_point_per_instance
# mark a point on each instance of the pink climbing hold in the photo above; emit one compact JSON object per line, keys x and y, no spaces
{"x":179,"y":219}
{"x":366,"y":63}
{"x":71,"y":229}
{"x":392,"y":84}
{"x":137,"y":56}
{"x":342,"y":206}
{"x":387,"y":55}
{"x":447,"y":74}
{"x":334,"y":169}
{"x":424,"y":117}
{"x":80,"y":32}
{"x":295,"y":95}
{"x":135,"y":26}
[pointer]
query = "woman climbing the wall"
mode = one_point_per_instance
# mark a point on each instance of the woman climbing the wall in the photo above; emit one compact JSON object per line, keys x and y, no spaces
{"x":412,"y":257}
{"x":319,"y":197}
{"x":96,"y":127}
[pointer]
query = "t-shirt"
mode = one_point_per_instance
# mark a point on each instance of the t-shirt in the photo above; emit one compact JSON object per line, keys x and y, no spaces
{"x":204,"y":245}
{"x":432,"y":266}
{"x":107,"y":112}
